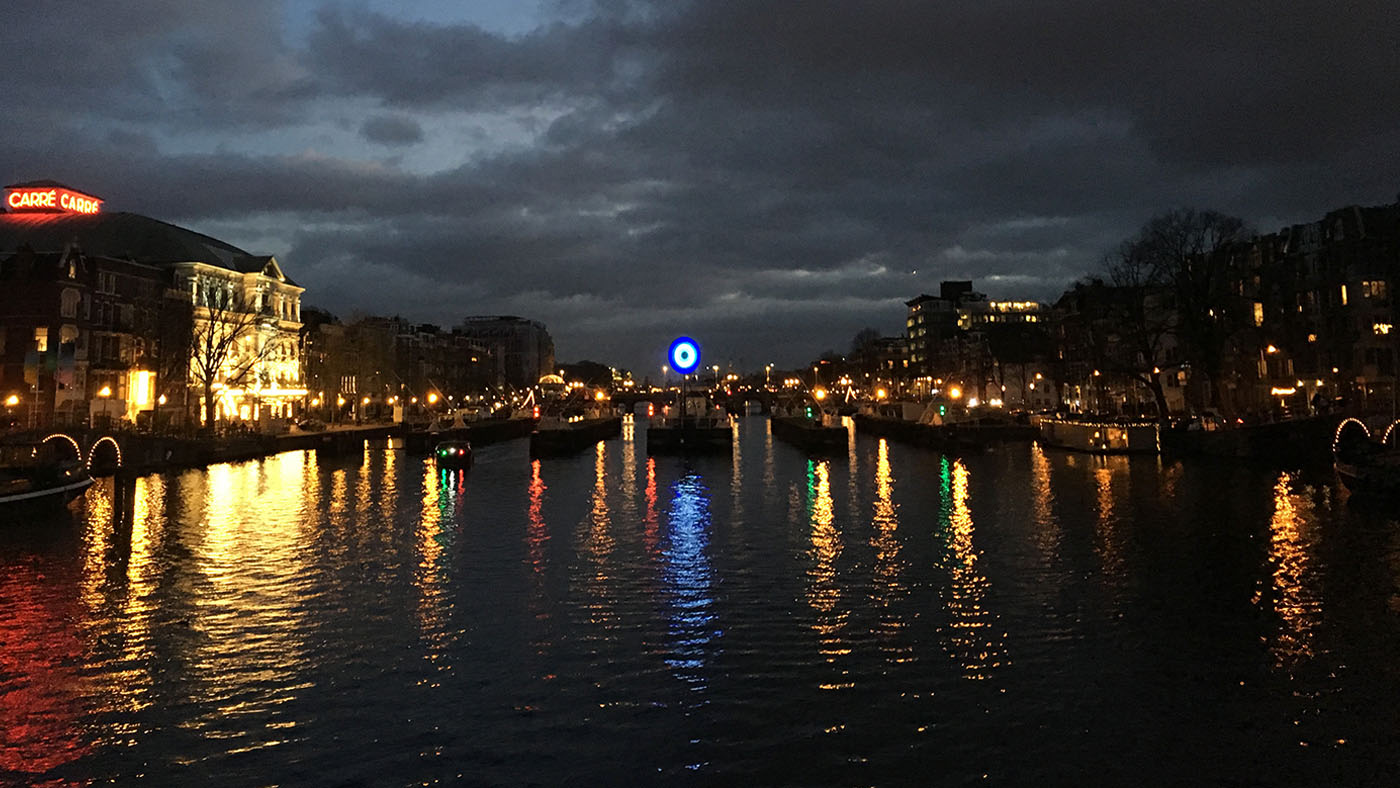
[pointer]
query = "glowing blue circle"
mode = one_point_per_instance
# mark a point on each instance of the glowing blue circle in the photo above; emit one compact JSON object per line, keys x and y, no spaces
{"x":685,"y":355}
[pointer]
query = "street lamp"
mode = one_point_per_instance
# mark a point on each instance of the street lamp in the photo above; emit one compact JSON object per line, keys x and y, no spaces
{"x":106,"y":394}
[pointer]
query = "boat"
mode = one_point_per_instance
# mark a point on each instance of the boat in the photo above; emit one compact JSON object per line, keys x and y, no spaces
{"x":951,"y":429}
{"x":1100,"y":435}
{"x":566,"y":435}
{"x":453,"y":454}
{"x":696,"y":426}
{"x":1366,"y":467}
{"x":37,"y":474}
{"x":816,"y":434}
{"x":810,"y":427}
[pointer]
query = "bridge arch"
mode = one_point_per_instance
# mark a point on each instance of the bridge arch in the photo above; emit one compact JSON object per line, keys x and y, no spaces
{"x":65,"y":439}
{"x":104,"y":454}
{"x":1389,"y":434}
{"x":1349,"y":431}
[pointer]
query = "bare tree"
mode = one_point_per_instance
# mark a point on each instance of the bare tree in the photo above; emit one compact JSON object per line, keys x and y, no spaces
{"x":223,"y":343}
{"x":1142,"y":316}
{"x":1192,"y":251}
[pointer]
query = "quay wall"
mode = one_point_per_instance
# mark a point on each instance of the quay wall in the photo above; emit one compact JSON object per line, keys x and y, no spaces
{"x":143,"y":453}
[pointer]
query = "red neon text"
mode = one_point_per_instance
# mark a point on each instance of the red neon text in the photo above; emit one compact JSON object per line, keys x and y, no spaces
{"x":51,"y":200}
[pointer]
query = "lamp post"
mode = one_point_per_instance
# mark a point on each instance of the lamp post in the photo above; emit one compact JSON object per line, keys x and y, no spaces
{"x":10,"y":403}
{"x":105,"y":394}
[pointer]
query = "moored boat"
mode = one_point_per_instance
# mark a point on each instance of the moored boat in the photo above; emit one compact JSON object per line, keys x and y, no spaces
{"x":823,"y":432}
{"x":951,"y":429}
{"x":1100,"y":436}
{"x":1366,"y":467}
{"x":564,"y":436}
{"x":36,"y":474}
{"x":453,"y":454}
{"x":696,"y":426}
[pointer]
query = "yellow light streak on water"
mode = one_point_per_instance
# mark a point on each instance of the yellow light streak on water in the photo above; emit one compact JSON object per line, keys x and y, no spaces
{"x":823,"y":590}
{"x":886,"y":585}
{"x":973,"y":639}
{"x":1293,"y":536}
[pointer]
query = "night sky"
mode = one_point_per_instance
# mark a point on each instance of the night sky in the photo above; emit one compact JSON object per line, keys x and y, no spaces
{"x":768,"y":177}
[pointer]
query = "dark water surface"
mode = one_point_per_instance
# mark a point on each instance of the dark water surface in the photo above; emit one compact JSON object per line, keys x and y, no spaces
{"x":889,"y":617}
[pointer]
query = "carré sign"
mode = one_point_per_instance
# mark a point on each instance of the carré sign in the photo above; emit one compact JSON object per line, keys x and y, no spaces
{"x":50,"y":199}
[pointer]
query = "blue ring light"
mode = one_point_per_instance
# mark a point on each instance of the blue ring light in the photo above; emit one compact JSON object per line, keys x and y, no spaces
{"x":685,"y":355}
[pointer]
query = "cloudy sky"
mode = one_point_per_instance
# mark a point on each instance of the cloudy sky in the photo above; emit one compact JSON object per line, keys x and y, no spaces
{"x":769,"y":177}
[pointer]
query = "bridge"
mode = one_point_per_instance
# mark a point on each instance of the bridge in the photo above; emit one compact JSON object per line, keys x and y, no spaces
{"x":1352,"y":429}
{"x":734,"y":402}
{"x":100,"y":451}
{"x":108,"y":453}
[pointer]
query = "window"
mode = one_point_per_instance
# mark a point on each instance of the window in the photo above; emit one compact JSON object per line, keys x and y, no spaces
{"x":1258,"y":313}
{"x":41,"y":339}
{"x":1344,"y":295}
{"x":106,"y":282}
{"x":1373,"y":288}
{"x":68,"y":302}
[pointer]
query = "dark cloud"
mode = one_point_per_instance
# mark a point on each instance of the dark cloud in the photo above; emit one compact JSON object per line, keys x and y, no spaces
{"x":768,"y":175}
{"x":392,"y":130}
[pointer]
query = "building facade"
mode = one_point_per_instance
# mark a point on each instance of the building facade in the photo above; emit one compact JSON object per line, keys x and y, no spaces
{"x":368,"y":368}
{"x":113,"y":317}
{"x":522,"y":349}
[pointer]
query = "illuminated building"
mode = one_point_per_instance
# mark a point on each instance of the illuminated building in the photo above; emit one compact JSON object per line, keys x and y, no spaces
{"x":390,"y":361}
{"x":100,"y":300}
{"x":523,"y":349}
{"x":992,"y":346}
{"x":1322,"y":293}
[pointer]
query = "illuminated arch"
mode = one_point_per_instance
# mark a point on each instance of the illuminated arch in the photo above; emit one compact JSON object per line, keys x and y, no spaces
{"x":1389,"y":433}
{"x":77,"y":450}
{"x":92,"y":452}
{"x":1341,"y":428}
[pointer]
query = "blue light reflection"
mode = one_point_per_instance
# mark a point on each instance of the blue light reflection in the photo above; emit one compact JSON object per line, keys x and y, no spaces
{"x":689,"y":582}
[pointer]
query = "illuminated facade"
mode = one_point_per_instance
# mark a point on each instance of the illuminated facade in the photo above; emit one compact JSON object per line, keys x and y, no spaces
{"x":367,"y":368}
{"x":1322,"y":296}
{"x":101,"y":313}
{"x":245,"y":337}
{"x":991,"y":348}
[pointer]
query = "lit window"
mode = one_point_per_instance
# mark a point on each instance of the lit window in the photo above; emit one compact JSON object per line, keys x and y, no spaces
{"x":41,"y":339}
{"x":1312,"y":337}
{"x":1258,"y":313}
{"x":1381,"y":329}
{"x":1344,"y":295}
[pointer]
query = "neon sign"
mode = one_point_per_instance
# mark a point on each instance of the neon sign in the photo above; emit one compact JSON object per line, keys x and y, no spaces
{"x":685,"y":355}
{"x":50,"y":199}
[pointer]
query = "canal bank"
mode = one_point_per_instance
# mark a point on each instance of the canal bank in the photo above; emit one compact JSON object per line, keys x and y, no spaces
{"x":135,"y":453}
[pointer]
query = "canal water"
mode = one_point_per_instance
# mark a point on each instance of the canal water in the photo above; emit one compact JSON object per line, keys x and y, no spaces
{"x":887,"y":616}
